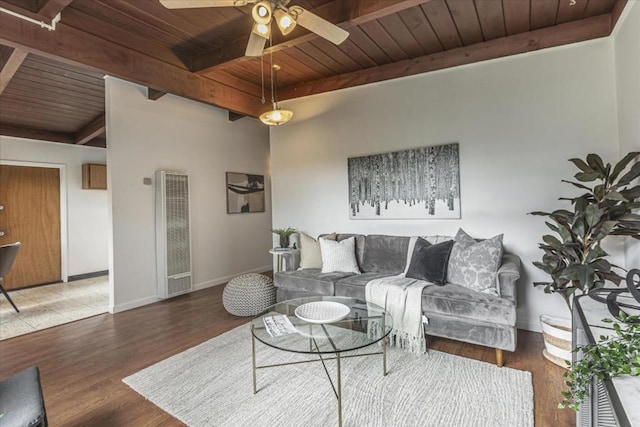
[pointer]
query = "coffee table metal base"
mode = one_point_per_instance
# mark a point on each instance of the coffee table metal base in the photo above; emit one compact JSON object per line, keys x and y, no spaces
{"x":337,"y":388}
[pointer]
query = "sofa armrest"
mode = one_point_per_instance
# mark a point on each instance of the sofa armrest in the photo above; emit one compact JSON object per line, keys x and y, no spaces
{"x":508,"y":274}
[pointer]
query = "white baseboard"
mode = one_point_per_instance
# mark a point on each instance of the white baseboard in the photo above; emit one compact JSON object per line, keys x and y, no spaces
{"x":197,"y":287}
{"x":225,"y":279}
{"x":133,"y":304}
{"x":529,"y":325}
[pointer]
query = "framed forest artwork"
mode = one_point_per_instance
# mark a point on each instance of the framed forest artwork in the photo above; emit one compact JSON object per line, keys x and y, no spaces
{"x":245,"y":193}
{"x":421,"y":183}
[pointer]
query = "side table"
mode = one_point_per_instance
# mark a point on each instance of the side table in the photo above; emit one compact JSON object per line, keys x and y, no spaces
{"x":611,"y":402}
{"x":285,"y":258}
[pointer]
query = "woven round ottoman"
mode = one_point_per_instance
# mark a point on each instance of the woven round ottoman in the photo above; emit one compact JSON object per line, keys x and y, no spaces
{"x":248,"y":294}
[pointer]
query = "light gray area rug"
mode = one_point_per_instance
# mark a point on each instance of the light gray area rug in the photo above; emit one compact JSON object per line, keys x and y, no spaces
{"x":210,"y":385}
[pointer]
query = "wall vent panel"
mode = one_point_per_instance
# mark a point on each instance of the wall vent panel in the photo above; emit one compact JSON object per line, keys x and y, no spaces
{"x":173,"y":234}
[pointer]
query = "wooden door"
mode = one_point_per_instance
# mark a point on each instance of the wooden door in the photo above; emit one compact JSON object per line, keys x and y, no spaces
{"x":30,"y":200}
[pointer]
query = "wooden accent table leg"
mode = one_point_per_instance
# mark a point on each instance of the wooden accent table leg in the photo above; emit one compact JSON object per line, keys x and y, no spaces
{"x":499,"y":357}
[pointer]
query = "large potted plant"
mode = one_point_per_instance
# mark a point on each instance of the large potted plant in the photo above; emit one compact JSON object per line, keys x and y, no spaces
{"x":573,"y":256}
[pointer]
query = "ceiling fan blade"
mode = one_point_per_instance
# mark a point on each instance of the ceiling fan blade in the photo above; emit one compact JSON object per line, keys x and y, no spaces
{"x":190,"y":4}
{"x":320,"y":26}
{"x":255,"y":45}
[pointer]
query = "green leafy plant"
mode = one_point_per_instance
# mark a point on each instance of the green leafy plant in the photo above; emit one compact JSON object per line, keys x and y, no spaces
{"x":611,"y":357}
{"x":284,"y":234}
{"x":575,"y":259}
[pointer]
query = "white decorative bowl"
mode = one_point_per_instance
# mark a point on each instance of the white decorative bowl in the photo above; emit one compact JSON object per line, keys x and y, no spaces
{"x":322,"y":312}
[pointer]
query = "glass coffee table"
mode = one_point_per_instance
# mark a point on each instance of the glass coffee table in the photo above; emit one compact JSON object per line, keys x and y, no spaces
{"x":323,"y":326}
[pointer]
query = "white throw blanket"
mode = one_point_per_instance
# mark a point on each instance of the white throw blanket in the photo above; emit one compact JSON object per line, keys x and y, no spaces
{"x":402,"y":298}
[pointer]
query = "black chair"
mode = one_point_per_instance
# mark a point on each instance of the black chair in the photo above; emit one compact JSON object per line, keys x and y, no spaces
{"x":8,"y":255}
{"x":21,"y":400}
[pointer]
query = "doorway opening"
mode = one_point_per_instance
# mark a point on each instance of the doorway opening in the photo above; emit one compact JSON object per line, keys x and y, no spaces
{"x":37,"y":206}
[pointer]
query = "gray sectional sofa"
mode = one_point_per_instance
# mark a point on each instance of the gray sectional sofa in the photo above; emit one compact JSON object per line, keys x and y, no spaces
{"x":453,"y":311}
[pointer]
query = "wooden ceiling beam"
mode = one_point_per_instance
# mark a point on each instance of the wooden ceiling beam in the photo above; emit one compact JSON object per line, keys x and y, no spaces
{"x":571,"y":32}
{"x":11,"y":66}
{"x":346,"y":13}
{"x":94,"y":128}
{"x":232,"y":117}
{"x":618,"y":7}
{"x":37,"y":134}
{"x":97,"y":142}
{"x":24,"y":12}
{"x":73,"y":46}
{"x":50,"y":8}
{"x":154,"y":95}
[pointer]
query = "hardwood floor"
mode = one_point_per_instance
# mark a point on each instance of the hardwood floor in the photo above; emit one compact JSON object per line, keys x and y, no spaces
{"x":82,"y":364}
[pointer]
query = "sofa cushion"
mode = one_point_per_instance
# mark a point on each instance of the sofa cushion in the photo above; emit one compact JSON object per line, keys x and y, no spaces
{"x":360,"y":280}
{"x":385,"y":254}
{"x":310,"y":256}
{"x":339,"y":256}
{"x":461,"y":302}
{"x":475,"y":264}
{"x":309,"y":280}
{"x":450,"y":300}
{"x":354,"y":286}
{"x":429,"y":262}
{"x":360,"y":239}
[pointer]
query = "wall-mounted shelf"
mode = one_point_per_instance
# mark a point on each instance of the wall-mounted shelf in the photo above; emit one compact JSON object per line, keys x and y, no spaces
{"x":94,"y":176}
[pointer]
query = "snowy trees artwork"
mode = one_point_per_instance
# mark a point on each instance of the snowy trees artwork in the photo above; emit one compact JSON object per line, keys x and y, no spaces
{"x":411,"y":184}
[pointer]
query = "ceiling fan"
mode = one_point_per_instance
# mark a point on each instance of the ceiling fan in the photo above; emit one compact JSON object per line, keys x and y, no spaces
{"x":264,"y":13}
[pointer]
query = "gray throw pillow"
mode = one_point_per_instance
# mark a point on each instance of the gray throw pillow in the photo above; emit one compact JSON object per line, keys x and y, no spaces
{"x":473,"y":264}
{"x":429,"y":262}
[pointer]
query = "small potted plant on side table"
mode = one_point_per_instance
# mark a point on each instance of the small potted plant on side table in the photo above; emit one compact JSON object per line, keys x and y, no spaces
{"x":284,"y":234}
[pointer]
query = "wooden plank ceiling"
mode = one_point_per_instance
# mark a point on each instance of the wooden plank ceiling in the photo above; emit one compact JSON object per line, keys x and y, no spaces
{"x":52,"y":86}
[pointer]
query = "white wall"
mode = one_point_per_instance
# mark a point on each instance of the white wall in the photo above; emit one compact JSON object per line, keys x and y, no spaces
{"x":627,"y":60}
{"x":86,"y":209}
{"x":173,"y":133}
{"x":517,"y":120}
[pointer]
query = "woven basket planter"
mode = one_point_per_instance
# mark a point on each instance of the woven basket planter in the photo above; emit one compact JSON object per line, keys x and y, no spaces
{"x":557,"y":340}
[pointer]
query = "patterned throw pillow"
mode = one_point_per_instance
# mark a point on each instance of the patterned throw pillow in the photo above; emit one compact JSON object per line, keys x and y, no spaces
{"x":474,"y":265}
{"x":310,"y":256}
{"x":339,"y":256}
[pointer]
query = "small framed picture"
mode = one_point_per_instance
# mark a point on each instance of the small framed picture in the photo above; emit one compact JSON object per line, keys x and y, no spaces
{"x":245,"y":193}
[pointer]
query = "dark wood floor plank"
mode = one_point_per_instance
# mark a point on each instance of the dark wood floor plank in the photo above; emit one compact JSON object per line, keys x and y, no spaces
{"x":83,"y":363}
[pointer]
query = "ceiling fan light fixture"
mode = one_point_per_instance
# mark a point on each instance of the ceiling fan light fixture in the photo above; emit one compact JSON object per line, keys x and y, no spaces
{"x":285,"y":22}
{"x":276,"y":117}
{"x":261,"y":12}
{"x":263,"y":30}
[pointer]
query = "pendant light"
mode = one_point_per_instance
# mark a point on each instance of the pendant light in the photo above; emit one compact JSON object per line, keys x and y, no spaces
{"x":286,"y":23}
{"x":263,"y":30}
{"x":277,"y":116}
{"x":261,"y":12}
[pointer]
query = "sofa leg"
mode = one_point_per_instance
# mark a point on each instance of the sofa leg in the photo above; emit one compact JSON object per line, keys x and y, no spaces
{"x":499,"y":357}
